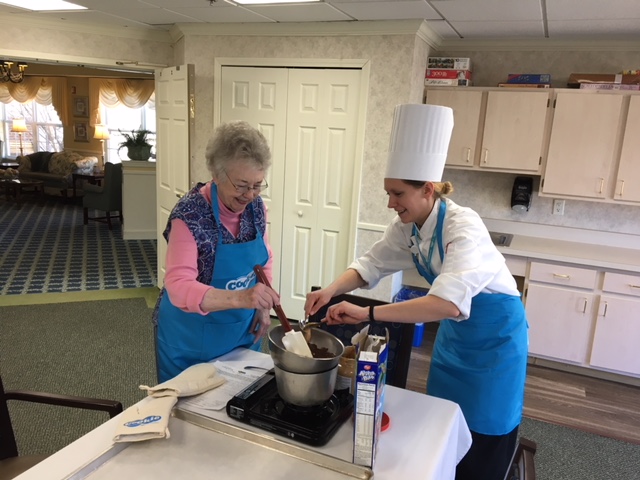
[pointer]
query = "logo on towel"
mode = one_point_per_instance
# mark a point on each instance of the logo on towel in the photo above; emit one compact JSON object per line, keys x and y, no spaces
{"x":143,"y":421}
{"x":241,"y":283}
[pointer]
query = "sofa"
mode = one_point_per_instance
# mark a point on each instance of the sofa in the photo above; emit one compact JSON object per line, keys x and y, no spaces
{"x":55,"y":169}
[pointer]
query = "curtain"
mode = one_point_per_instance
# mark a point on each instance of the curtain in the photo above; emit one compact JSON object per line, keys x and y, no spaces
{"x":44,"y":90}
{"x":113,"y":92}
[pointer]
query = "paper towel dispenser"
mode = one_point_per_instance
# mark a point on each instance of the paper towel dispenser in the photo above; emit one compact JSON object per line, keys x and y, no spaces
{"x":521,"y":194}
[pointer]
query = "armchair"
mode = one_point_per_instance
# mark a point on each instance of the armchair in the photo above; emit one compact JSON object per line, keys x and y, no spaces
{"x":11,"y":463}
{"x":400,"y":336}
{"x":107,"y":197}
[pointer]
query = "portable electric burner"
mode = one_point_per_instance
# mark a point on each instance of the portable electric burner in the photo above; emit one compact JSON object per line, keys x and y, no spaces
{"x":260,"y":405}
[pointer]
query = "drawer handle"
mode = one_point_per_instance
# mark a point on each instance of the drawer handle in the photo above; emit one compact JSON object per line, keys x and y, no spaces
{"x":621,"y":188}
{"x":604,"y":313}
{"x":601,"y":185}
{"x":634,"y":286}
{"x":469,"y":155}
{"x":584,"y":308}
{"x":486,"y":155}
{"x":562,"y":276}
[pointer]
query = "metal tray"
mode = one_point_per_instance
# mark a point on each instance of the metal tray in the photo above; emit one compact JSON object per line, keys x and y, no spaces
{"x":200,"y":446}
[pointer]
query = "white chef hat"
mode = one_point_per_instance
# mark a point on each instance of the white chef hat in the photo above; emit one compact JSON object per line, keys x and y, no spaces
{"x":419,"y":142}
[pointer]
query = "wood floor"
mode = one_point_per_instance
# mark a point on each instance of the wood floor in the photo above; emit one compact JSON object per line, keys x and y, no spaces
{"x":597,"y":406}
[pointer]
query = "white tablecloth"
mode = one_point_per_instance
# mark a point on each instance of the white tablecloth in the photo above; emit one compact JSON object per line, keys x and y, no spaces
{"x":426,"y":439}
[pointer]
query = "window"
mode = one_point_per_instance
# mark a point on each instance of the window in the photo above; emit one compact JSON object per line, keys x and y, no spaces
{"x":45,"y":128}
{"x":126,"y":119}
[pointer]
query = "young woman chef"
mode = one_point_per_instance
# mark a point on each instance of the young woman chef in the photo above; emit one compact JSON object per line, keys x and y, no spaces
{"x":480,"y":353}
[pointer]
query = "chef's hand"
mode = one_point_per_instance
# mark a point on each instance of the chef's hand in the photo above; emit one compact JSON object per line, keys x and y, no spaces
{"x":345,"y":312}
{"x":260,"y":325}
{"x":260,"y":297}
{"x":315,"y":301}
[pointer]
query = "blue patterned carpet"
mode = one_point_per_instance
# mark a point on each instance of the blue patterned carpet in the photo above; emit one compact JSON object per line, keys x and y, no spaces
{"x":44,"y":248}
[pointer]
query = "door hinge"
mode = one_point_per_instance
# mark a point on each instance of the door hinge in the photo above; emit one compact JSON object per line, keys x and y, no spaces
{"x":192,"y":105}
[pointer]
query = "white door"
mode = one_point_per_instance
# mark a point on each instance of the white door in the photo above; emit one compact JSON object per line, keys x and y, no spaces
{"x":259,"y":96}
{"x":312,"y":178}
{"x":174,"y":118}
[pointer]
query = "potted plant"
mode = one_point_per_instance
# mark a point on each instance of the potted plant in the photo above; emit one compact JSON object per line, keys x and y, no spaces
{"x":137,"y":144}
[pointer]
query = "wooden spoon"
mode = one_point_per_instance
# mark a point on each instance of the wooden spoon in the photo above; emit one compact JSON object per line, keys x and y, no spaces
{"x":293,"y":341}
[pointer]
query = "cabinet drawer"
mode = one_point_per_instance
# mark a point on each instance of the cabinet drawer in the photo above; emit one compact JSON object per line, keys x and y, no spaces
{"x":621,"y":283}
{"x":562,"y":275}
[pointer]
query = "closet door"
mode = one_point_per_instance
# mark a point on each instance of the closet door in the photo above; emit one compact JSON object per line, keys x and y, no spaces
{"x":259,"y":96}
{"x":313,"y":141}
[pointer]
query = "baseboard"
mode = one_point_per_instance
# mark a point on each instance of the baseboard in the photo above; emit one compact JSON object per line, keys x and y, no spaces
{"x":589,"y":372}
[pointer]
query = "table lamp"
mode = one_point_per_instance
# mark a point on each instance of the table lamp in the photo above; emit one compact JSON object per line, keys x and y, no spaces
{"x":19,"y":126}
{"x":101,"y":133}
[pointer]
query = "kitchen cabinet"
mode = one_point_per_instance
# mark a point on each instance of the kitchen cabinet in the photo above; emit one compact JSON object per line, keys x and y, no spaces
{"x":617,"y":332}
{"x":559,"y":305}
{"x":627,"y":185}
{"x":495,"y":130}
{"x":582,"y":145}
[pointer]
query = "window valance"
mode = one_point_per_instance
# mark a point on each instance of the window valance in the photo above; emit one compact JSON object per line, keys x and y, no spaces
{"x":113,"y":92}
{"x":44,"y":90}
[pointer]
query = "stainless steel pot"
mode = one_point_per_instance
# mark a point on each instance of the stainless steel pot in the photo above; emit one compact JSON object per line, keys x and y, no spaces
{"x":306,"y":389}
{"x":295,"y":363}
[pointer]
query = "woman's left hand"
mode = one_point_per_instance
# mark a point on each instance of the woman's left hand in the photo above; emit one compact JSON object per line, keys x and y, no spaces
{"x":260,"y":325}
{"x":345,"y":312}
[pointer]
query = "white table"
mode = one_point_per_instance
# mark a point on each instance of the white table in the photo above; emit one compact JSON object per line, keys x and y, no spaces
{"x":427,"y":438}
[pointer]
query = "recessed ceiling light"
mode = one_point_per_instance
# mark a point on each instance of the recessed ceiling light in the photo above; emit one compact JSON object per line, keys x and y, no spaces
{"x":271,"y":2}
{"x":41,"y":5}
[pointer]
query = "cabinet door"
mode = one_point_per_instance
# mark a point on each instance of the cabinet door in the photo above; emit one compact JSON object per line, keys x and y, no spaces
{"x":514,"y":130}
{"x":466,"y":107}
{"x":582,"y":144}
{"x":559,"y":322}
{"x":617,"y":335}
{"x":628,"y":179}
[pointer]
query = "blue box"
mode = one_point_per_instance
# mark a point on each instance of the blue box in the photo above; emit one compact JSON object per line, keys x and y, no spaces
{"x":529,"y":78}
{"x":368,"y":403}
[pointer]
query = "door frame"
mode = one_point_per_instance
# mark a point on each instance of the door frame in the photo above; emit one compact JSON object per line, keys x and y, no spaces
{"x":361,"y":64}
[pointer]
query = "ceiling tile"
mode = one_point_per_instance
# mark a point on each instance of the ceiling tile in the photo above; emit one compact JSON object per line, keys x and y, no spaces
{"x":499,"y":29}
{"x":489,"y":10}
{"x":387,"y":10}
{"x":442,"y":28}
{"x":223,"y":14}
{"x":620,"y":29}
{"x":312,"y":12}
{"x":593,"y":10}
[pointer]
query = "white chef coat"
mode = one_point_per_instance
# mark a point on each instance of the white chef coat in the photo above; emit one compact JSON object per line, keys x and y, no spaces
{"x":472,"y":264}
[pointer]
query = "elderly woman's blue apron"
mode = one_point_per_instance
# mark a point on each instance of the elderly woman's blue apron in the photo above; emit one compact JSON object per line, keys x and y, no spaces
{"x":190,"y":338}
{"x":479,"y":363}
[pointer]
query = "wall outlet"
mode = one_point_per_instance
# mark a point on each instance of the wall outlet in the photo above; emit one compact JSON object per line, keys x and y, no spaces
{"x":558,"y":207}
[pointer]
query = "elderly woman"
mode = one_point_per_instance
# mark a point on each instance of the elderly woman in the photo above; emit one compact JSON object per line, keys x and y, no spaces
{"x":211,"y":302}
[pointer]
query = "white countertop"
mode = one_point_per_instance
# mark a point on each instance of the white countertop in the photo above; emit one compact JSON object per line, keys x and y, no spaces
{"x":427,"y":437}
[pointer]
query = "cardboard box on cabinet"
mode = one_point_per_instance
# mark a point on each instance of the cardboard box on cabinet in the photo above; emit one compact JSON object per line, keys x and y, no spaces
{"x":576,"y":79}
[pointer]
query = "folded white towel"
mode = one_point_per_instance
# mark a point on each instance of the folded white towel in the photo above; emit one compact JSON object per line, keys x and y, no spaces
{"x":146,"y":420}
{"x":196,"y":379}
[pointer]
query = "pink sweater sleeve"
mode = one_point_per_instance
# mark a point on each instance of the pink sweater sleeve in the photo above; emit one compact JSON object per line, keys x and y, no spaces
{"x":185,"y":291}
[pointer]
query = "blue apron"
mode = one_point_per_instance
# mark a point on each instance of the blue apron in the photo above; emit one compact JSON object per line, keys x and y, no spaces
{"x":184,"y":338}
{"x":480,"y":363}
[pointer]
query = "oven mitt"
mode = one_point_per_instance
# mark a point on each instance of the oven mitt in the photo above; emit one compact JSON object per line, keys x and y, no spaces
{"x":195,"y":379}
{"x":145,"y":420}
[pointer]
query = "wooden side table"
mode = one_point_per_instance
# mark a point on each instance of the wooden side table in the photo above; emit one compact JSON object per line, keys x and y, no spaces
{"x":15,"y":187}
{"x":92,"y":178}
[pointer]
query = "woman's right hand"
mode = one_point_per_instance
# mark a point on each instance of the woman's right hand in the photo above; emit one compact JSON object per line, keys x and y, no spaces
{"x":260,"y":297}
{"x":316,"y":300}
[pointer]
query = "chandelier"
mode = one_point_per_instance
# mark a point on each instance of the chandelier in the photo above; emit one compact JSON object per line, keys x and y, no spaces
{"x":8,"y":74}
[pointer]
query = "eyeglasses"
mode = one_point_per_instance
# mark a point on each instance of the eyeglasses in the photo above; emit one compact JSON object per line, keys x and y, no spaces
{"x":244,"y":189}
